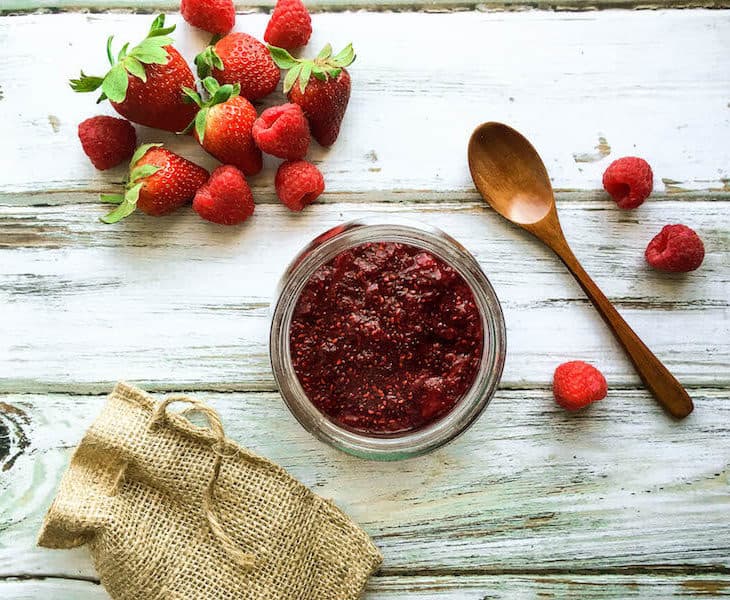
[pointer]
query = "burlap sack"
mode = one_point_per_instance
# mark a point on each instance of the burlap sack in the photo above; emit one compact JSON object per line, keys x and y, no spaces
{"x":170,"y":510}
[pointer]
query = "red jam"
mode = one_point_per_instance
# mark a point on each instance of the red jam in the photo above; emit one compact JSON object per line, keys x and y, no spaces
{"x":386,"y":338}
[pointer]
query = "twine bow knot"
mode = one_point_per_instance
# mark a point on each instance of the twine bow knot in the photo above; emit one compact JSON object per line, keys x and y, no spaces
{"x":222,"y":448}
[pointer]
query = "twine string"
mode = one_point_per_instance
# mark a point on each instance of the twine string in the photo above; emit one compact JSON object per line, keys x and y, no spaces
{"x":222,"y":449}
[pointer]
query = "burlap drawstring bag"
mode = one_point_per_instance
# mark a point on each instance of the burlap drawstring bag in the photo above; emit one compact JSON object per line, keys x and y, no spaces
{"x":174,"y":511}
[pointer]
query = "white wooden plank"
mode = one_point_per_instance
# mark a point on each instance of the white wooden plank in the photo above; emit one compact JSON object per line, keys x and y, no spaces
{"x":179,"y":301}
{"x":653,"y":83}
{"x":528,"y":488}
{"x":496,"y":587}
{"x":143,"y":6}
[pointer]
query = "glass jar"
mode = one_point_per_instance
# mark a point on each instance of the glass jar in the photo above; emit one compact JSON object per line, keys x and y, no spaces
{"x":411,"y":443}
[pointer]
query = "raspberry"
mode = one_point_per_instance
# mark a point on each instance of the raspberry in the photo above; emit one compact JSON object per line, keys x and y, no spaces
{"x":298,"y":183}
{"x":282,"y":131}
{"x":629,"y":181}
{"x":107,"y":141}
{"x":577,"y":384}
{"x":226,"y":198}
{"x":214,"y":16}
{"x":676,"y":248}
{"x":290,"y":25}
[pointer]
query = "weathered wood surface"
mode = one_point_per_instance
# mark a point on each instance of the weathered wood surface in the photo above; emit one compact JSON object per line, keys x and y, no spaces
{"x":585,"y":88}
{"x":619,"y":486}
{"x":146,"y":6}
{"x":502,"y":587}
{"x":616,"y":502}
{"x":180,"y":302}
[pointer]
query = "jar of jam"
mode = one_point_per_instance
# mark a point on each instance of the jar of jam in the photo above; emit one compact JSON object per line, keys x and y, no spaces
{"x":387,"y":339}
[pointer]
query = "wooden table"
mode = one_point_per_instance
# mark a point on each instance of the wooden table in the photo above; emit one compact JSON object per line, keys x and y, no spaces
{"x":613,"y":502}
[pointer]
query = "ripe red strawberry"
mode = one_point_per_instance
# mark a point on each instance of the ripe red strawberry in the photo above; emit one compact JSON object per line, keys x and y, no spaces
{"x":282,"y":131}
{"x":145,"y":84}
{"x":214,"y":16}
{"x":242,"y":59}
{"x":107,"y":141}
{"x":160,"y":181}
{"x":223,"y":126}
{"x":290,"y":25}
{"x":298,"y":183}
{"x":226,"y":199}
{"x":323,"y":88}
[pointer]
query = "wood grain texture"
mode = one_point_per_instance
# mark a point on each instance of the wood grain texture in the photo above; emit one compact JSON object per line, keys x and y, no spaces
{"x":528,"y":488}
{"x":247,"y":6}
{"x":509,"y":587}
{"x":616,"y":502}
{"x":179,"y":302}
{"x":604,"y":85}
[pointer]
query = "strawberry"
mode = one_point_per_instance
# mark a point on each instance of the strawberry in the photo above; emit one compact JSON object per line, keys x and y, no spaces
{"x":145,"y":83}
{"x":290,"y":25}
{"x":160,"y":181}
{"x":223,"y":126}
{"x":323,"y":89}
{"x":242,"y":59}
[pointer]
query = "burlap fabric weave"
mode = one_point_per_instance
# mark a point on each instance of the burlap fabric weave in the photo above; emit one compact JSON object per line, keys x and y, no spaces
{"x":171,"y":510}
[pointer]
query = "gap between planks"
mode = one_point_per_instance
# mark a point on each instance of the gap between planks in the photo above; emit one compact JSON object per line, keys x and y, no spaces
{"x":466,"y":199}
{"x":386,"y":573}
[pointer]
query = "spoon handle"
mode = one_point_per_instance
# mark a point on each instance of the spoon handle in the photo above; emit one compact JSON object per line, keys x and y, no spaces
{"x":662,"y":384}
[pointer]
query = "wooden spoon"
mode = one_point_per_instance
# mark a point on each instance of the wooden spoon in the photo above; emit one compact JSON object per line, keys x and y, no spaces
{"x":511,"y":177}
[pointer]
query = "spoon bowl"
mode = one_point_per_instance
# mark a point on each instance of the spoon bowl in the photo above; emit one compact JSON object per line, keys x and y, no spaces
{"x":509,"y":174}
{"x":512,"y":179}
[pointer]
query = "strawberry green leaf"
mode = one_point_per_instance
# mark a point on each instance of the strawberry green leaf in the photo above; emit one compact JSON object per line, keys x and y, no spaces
{"x":291,"y":77}
{"x":211,"y":85}
{"x":111,"y":198}
{"x":334,"y":72}
{"x":192,"y":96}
{"x":86,"y":83}
{"x":135,"y":67}
{"x":305,"y":75}
{"x":188,"y":129}
{"x":123,"y":52}
{"x":208,"y":60}
{"x":200,"y":120}
{"x":109,"y":54}
{"x":126,"y":207}
{"x":142,"y":171}
{"x":157,"y":42}
{"x":319,"y":73}
{"x":282,"y":58}
{"x":222,"y":94}
{"x":101,"y":98}
{"x":325,"y":53}
{"x":150,"y":53}
{"x":158,"y":27}
{"x":345,"y":57}
{"x":115,"y":83}
{"x":140,"y":152}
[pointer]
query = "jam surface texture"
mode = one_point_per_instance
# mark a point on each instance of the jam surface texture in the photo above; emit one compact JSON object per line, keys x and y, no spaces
{"x":386,"y":338}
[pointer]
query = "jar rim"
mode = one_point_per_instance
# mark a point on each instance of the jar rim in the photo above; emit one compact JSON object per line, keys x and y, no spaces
{"x":467,"y":409}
